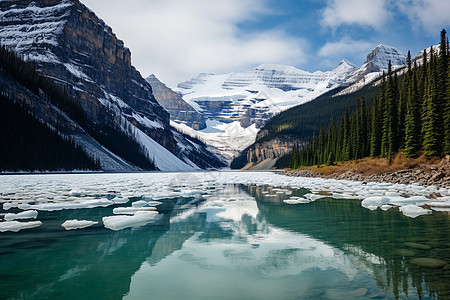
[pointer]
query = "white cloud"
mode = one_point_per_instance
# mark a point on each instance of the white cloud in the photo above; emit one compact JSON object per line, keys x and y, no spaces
{"x":177,"y":39}
{"x":344,"y":48}
{"x":432,"y":15}
{"x":372,"y":13}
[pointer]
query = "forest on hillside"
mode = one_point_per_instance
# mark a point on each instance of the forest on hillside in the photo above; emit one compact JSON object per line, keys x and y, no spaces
{"x":411,"y":114}
{"x":118,"y":138}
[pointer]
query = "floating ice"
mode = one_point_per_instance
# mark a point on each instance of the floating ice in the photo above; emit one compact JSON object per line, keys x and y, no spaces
{"x":77,"y":224}
{"x":416,"y":200}
{"x":120,"y":200}
{"x":386,"y":207}
{"x":131,"y":210}
{"x":140,"y":218}
{"x":7,"y":206}
{"x":29,"y":214}
{"x":440,"y":204}
{"x":414,"y":211}
{"x":16,"y":226}
{"x":78,"y":204}
{"x":154,"y":203}
{"x":313,"y":197}
{"x":296,"y":201}
{"x":139,"y":204}
{"x":376,"y":201}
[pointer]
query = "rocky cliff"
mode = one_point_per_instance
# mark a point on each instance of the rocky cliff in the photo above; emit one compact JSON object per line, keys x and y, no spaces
{"x":273,"y":149}
{"x":72,"y":46}
{"x":179,"y":110}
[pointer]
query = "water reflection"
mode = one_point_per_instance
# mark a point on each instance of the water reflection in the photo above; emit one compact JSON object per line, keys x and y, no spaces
{"x":384,"y":242}
{"x":242,"y":242}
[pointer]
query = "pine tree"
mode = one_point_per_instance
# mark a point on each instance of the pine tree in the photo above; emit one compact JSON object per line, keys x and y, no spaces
{"x":375,"y":136}
{"x":431,"y":120}
{"x":389,"y":143}
{"x":412,"y":119}
{"x":447,"y":112}
{"x":362,"y":129}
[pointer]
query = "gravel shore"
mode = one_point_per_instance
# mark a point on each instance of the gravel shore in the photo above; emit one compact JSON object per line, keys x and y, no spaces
{"x":424,"y":175}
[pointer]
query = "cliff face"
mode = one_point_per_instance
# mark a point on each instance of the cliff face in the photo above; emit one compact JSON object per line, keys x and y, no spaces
{"x":179,"y":110}
{"x":272,"y":149}
{"x":71,"y":45}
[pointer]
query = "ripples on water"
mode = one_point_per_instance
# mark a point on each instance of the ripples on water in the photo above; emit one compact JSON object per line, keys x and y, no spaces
{"x":217,"y":235}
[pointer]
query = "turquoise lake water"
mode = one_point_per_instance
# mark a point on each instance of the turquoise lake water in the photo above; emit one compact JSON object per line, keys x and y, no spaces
{"x":225,"y":241}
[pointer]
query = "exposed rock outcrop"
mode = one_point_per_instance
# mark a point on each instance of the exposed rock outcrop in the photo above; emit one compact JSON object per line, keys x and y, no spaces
{"x":270,"y":150}
{"x":179,"y":110}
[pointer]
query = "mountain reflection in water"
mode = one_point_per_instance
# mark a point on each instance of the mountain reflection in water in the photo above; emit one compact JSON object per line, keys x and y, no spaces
{"x":241,"y":242}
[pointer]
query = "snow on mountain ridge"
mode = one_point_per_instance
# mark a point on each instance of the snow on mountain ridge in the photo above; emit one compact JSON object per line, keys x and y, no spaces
{"x":249,"y":98}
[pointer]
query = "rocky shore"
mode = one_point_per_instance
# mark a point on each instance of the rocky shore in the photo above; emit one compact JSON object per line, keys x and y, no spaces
{"x":426,"y":175}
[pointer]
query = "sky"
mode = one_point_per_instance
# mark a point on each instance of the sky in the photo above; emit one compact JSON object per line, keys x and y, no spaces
{"x":178,"y":39}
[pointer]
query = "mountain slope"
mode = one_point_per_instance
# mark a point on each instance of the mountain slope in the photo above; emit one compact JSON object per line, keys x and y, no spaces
{"x":296,"y":125}
{"x":72,"y":46}
{"x":179,"y":110}
{"x":236,"y":105}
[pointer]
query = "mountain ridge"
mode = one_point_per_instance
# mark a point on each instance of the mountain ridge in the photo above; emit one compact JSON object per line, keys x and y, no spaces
{"x":75,"y":48}
{"x":254,"y":96}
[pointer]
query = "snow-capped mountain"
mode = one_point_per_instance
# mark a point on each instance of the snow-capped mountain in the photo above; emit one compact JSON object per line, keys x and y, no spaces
{"x":376,"y":63}
{"x":76,"y":49}
{"x":237,"y":104}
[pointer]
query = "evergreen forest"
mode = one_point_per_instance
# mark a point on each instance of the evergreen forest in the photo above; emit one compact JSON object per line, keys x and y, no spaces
{"x":109,"y":132}
{"x":410,"y":113}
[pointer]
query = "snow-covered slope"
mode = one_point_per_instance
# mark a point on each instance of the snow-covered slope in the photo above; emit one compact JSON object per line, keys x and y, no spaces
{"x":71,"y":45}
{"x":237,"y":104}
{"x":264,"y":90}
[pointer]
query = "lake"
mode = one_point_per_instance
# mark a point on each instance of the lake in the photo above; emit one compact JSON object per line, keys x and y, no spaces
{"x":218,"y":235}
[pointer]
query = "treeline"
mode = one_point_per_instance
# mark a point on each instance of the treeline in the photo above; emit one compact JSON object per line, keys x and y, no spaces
{"x":27,"y":144}
{"x":412,"y":116}
{"x":107,"y":132}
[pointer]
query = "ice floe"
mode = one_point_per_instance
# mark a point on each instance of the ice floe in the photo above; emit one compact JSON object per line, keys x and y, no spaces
{"x":29,"y":214}
{"x":414,"y":211}
{"x":131,"y":210}
{"x":140,"y":218}
{"x":77,"y":224}
{"x":16,"y":226}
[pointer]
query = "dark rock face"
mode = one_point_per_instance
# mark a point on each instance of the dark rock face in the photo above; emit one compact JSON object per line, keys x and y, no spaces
{"x":71,"y":45}
{"x":179,"y":110}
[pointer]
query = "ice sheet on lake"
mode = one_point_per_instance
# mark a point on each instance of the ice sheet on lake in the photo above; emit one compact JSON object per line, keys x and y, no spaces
{"x":16,"y":226}
{"x":77,"y":224}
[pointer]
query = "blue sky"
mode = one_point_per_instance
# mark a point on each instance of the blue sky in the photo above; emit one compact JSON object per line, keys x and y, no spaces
{"x":177,"y":39}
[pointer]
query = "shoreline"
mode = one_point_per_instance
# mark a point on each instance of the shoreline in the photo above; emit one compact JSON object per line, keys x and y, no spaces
{"x":426,"y":174}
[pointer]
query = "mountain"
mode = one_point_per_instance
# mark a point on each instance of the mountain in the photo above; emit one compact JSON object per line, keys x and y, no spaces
{"x":376,"y":63}
{"x":237,"y":104}
{"x":179,"y":110}
{"x":73,"y":47}
{"x":296,"y":125}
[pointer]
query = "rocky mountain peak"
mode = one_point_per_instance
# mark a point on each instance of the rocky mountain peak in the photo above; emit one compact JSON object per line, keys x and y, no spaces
{"x":380,"y":56}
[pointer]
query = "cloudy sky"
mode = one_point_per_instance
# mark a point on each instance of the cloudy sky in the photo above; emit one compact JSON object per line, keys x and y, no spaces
{"x":177,"y":39}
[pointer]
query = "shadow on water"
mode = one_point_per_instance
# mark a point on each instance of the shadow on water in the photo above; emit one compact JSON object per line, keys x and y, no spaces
{"x":392,"y":245}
